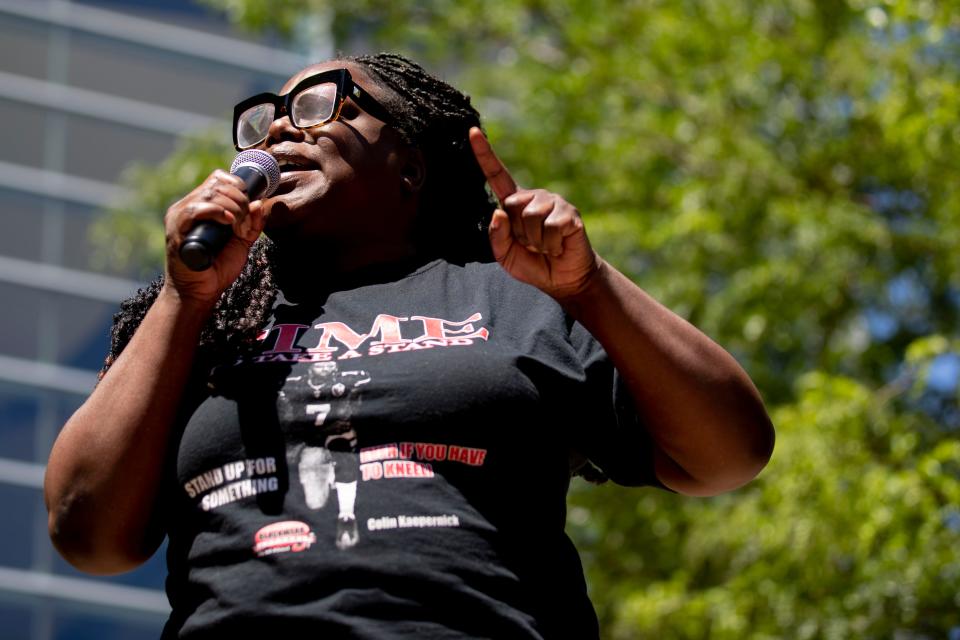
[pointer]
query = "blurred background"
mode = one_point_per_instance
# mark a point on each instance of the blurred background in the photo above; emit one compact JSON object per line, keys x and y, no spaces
{"x":87,"y":90}
{"x":782,"y":173}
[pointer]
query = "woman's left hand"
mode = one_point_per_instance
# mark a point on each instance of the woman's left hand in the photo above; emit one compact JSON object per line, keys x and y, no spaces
{"x":709,"y":428}
{"x":537,"y":236}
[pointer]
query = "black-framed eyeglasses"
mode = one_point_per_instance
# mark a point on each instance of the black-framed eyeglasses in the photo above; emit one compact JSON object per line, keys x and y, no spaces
{"x":313,"y":101}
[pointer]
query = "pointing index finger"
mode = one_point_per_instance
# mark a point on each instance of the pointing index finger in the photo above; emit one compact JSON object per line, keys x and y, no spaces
{"x":497,"y":175}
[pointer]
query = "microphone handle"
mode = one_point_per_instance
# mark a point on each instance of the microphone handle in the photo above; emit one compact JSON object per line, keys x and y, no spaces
{"x":207,"y":239}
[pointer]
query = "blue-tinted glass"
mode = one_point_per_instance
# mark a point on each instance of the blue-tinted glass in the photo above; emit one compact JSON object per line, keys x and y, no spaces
{"x":20,"y":322}
{"x":89,"y":352}
{"x":41,"y":325}
{"x":31,"y":418}
{"x":74,"y":624}
{"x":17,"y":533}
{"x":26,"y":221}
{"x":16,"y":617}
{"x":22,"y":227}
{"x":85,"y":331}
{"x":18,"y":417}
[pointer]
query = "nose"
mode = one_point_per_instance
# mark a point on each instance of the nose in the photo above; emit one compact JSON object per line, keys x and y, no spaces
{"x":282,"y":129}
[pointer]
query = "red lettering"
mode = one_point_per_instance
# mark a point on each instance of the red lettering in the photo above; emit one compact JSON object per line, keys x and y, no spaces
{"x":432,"y":327}
{"x":369,"y":454}
{"x":386,"y":326}
{"x":467,"y":455}
{"x":428,"y":451}
{"x":371,"y":471}
{"x":286,"y":336}
{"x":406,"y":469}
{"x":439,"y":328}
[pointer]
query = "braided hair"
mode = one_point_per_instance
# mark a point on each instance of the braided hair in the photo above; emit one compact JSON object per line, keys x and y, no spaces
{"x":430,"y":115}
{"x":434,"y":117}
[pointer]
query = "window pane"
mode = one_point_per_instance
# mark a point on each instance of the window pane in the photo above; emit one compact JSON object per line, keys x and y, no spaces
{"x":35,"y":617}
{"x":148,"y":74}
{"x":20,"y":322}
{"x":20,"y":142}
{"x":21,"y":220}
{"x":31,"y":418}
{"x":18,"y":418}
{"x":84,"y":329}
{"x":29,"y":40}
{"x":17,"y":526}
{"x":100,"y":150}
{"x":16,"y":616}
{"x":39,"y":325}
{"x":72,"y":624}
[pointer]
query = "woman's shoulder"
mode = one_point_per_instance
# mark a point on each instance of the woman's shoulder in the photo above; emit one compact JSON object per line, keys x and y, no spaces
{"x":486,"y":272}
{"x":489,"y":282}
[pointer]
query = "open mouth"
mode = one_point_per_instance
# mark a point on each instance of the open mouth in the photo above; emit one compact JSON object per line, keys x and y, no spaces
{"x":288,"y":166}
{"x":294,"y":167}
{"x":291,"y":173}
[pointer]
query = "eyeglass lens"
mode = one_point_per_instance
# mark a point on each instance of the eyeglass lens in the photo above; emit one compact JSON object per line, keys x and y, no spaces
{"x":310,"y":107}
{"x":253,"y":124}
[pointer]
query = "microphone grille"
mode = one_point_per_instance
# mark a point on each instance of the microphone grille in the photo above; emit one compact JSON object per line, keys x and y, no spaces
{"x":263,"y":161}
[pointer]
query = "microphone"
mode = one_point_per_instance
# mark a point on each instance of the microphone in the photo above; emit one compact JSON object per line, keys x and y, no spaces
{"x":261,"y":175}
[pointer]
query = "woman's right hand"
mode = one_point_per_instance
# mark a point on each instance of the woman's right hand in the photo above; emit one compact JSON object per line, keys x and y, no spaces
{"x":109,"y":460}
{"x":220,"y":198}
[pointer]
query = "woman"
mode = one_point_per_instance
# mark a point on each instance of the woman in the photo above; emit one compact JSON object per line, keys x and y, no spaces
{"x":363,"y":426}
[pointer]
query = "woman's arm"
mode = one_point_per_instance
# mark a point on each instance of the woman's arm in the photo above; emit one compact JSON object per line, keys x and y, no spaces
{"x":104,"y":472}
{"x":103,"y":476}
{"x":710,"y":429}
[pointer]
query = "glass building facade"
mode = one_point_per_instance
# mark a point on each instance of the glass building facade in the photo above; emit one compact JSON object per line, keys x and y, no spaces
{"x":86,"y":88}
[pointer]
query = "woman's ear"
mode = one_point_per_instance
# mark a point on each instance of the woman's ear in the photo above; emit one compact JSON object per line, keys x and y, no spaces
{"x":413,"y":173}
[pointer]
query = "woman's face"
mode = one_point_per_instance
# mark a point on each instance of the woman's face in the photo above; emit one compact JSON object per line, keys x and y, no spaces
{"x":342,"y":181}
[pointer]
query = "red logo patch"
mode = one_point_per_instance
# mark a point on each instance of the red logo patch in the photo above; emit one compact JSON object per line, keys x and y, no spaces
{"x":281,"y":537}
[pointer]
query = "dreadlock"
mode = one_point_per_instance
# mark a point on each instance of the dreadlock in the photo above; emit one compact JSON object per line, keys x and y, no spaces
{"x":430,"y":115}
{"x":434,"y":117}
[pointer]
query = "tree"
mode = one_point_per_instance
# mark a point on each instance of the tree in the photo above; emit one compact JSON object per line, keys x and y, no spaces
{"x":781,"y":174}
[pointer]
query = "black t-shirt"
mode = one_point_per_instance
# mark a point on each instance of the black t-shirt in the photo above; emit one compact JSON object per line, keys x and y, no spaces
{"x":392,"y":461}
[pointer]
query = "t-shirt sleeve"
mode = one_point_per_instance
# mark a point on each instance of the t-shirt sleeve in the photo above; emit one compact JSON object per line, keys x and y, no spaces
{"x":611,"y":436}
